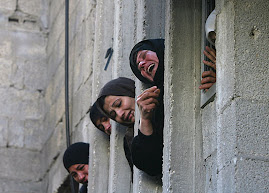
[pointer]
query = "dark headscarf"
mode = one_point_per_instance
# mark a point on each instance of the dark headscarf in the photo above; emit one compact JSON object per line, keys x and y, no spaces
{"x":95,"y":114}
{"x":77,"y":153}
{"x":155,"y":45}
{"x":118,"y":87}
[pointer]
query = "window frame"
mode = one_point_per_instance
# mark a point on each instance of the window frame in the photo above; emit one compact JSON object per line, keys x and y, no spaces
{"x":209,"y":95}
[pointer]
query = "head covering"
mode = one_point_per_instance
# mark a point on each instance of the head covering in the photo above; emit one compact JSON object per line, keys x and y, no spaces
{"x":155,"y":45}
{"x":77,"y":153}
{"x":95,"y":114}
{"x":118,"y":87}
{"x":210,"y":25}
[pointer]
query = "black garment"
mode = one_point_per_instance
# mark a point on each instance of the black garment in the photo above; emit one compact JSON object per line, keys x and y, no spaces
{"x":84,"y":188}
{"x":147,"y":151}
{"x":117,"y":87}
{"x":155,"y":45}
{"x":77,"y":153}
{"x":95,"y":114}
{"x":120,"y":87}
{"x":127,"y":143}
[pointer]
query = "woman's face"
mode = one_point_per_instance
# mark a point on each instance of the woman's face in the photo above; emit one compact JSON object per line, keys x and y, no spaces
{"x":79,"y":172}
{"x":120,"y":108}
{"x":104,"y":125}
{"x":147,"y":62}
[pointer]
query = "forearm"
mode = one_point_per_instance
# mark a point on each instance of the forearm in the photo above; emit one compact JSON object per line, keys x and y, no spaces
{"x":147,"y":153}
{"x":146,"y":127}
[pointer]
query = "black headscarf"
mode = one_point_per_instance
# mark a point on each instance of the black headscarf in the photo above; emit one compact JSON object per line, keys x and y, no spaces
{"x":95,"y":114}
{"x":77,"y":153}
{"x":155,"y":45}
{"x":118,"y":87}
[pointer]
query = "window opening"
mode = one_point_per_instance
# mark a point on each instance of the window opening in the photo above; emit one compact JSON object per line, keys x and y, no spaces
{"x":207,"y":96}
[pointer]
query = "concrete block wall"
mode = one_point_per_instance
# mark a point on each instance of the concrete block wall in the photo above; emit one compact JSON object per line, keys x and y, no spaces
{"x":183,"y":169}
{"x":242,"y":108}
{"x":22,"y":86}
{"x":220,"y":148}
{"x":224,"y":146}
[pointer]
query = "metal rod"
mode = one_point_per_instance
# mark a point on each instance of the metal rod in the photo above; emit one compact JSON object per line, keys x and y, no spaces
{"x":66,"y":84}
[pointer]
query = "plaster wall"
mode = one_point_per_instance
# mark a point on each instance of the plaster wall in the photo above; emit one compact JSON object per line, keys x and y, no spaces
{"x":220,"y":148}
{"x":23,"y":37}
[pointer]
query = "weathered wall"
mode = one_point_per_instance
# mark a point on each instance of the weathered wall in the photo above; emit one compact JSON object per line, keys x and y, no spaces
{"x":220,"y":148}
{"x":242,"y":105}
{"x":23,"y":72}
{"x":224,"y":146}
{"x":183,"y":168}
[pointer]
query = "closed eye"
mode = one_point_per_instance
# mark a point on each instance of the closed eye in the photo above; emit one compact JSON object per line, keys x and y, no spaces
{"x":80,"y":167}
{"x":141,"y":57}
{"x":116,"y":103}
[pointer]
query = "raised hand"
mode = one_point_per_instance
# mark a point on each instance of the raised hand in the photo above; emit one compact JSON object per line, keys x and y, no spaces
{"x":209,"y":77}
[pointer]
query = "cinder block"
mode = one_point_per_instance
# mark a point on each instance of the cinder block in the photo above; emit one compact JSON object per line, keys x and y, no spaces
{"x":57,"y":174}
{"x":82,"y":101}
{"x":5,"y":72}
{"x":56,"y":29}
{"x":252,"y":175}
{"x":28,"y":45}
{"x":21,"y":186}
{"x":209,"y":125}
{"x":6,"y":44}
{"x":211,"y":172}
{"x":7,"y":5}
{"x":3,"y":131}
{"x":251,"y":36}
{"x":226,"y":135}
{"x":16,"y":133}
{"x":55,"y":8}
{"x":54,"y":146}
{"x":252,"y":120}
{"x":32,"y":7}
{"x":225,"y":57}
{"x":34,"y":134}
{"x":27,"y":161}
{"x":77,"y":15}
{"x":226,"y":182}
{"x":82,"y":131}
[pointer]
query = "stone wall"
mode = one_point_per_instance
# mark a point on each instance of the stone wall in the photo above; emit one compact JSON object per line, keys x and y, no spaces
{"x":23,"y":72}
{"x":222,"y":147}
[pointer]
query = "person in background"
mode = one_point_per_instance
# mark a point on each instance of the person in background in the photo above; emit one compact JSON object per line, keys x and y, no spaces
{"x":101,"y":121}
{"x":75,"y":160}
{"x":116,"y":101}
{"x":147,"y":63}
{"x":209,"y":77}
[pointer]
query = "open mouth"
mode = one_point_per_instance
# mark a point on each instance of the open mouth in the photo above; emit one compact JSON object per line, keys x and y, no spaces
{"x":150,"y":68}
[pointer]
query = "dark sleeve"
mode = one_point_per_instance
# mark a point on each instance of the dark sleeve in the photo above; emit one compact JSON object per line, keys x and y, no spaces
{"x":147,"y":153}
{"x":127,"y":151}
{"x":83,"y":188}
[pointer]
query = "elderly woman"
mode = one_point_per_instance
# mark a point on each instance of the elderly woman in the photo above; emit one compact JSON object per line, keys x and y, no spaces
{"x":75,"y":160}
{"x":147,"y":63}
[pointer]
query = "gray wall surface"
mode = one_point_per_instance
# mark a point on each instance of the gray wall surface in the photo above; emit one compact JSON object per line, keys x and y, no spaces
{"x":222,"y":147}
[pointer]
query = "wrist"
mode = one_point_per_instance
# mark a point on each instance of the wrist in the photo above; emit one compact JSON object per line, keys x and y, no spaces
{"x":146,"y":126}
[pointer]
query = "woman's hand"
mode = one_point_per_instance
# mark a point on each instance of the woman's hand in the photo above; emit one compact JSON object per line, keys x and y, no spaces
{"x":209,"y":77}
{"x":147,"y":102}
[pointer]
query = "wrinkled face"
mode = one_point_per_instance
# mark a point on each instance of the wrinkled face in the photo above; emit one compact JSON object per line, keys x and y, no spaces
{"x":147,"y":62}
{"x":104,"y":125}
{"x":79,"y":172}
{"x":120,"y":108}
